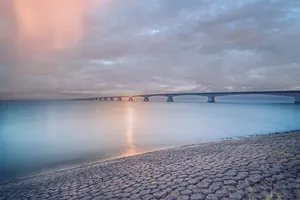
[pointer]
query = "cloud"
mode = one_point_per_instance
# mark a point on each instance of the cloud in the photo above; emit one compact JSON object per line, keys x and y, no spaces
{"x":63,"y":48}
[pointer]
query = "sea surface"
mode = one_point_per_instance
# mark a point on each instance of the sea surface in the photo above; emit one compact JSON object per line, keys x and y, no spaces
{"x":41,"y":136}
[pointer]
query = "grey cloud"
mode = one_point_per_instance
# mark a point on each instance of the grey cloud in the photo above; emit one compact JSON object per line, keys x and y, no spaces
{"x":162,"y":45}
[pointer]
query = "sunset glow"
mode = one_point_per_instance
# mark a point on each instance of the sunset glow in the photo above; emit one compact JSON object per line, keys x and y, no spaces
{"x":49,"y":24}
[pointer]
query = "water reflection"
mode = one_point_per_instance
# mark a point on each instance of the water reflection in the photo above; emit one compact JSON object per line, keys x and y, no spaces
{"x":131,"y":147}
{"x":41,"y":136}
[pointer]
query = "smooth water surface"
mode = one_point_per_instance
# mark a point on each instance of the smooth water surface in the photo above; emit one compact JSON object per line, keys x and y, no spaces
{"x":40,"y":136}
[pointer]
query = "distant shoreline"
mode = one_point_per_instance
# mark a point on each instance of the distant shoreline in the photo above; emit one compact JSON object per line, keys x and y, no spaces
{"x":256,"y":135}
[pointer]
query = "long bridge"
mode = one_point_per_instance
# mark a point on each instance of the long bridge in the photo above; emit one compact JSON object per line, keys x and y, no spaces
{"x":210,"y":95}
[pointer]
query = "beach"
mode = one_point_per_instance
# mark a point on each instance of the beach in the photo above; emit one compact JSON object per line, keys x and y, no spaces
{"x":247,"y":168}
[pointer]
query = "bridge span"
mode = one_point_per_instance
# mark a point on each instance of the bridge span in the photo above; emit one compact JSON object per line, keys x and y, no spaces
{"x":210,"y":95}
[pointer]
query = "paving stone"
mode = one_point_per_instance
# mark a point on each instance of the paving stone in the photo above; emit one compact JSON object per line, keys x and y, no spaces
{"x":197,"y":196}
{"x":221,"y":193}
{"x":187,"y":192}
{"x":98,"y":197}
{"x":211,"y":197}
{"x":183,"y":197}
{"x":204,"y":183}
{"x":191,"y":187}
{"x":238,"y":195}
{"x":124,"y":195}
{"x":173,"y":194}
{"x":147,"y":197}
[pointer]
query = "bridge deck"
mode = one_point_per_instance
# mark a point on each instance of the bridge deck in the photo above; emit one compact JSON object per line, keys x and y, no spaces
{"x":211,"y":95}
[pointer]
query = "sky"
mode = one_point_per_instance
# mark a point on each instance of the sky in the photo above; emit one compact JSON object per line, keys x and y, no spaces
{"x":82,"y":48}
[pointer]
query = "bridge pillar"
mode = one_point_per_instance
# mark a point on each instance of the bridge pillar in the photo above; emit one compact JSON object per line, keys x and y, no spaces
{"x":130,"y":99}
{"x":170,"y":99}
{"x":111,"y":99}
{"x":211,"y":99}
{"x":119,"y":99}
{"x":146,"y":98}
{"x":105,"y":99}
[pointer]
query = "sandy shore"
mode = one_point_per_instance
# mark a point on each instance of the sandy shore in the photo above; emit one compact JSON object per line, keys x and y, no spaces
{"x":248,"y":168}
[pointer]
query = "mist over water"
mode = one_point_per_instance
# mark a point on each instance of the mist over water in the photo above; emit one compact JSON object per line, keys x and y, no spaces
{"x":42,"y":136}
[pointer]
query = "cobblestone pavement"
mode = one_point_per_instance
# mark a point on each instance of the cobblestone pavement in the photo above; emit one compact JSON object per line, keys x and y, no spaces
{"x":250,"y":168}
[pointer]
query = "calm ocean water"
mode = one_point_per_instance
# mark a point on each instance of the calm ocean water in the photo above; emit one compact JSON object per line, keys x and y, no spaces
{"x":42,"y":136}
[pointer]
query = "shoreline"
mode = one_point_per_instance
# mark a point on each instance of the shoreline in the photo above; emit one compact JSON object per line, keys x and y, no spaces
{"x":142,"y":153}
{"x":249,"y":167}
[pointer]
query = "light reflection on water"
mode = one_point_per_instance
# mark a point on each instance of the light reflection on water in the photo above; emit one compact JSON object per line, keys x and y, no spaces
{"x":131,"y":148}
{"x":41,"y":136}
